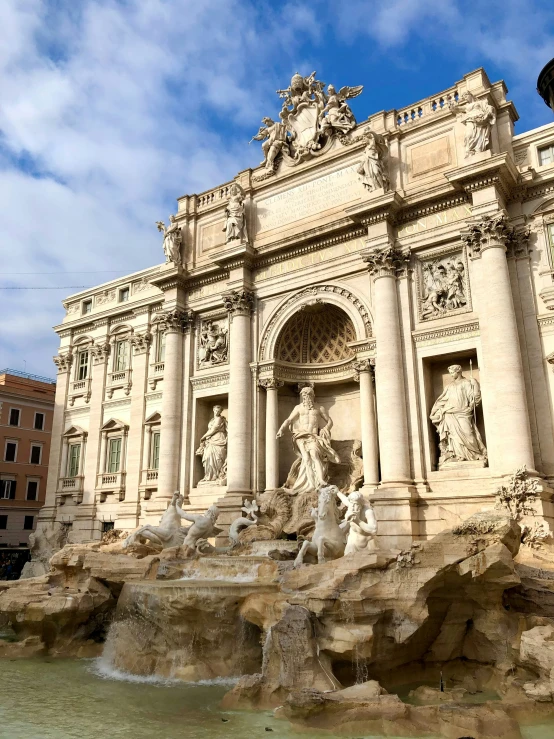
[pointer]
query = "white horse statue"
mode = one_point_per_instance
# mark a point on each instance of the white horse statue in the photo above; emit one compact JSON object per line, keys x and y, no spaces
{"x":328,"y":540}
{"x":167,"y":534}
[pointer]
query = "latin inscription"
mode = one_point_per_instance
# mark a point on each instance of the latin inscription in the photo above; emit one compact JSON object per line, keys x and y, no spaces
{"x":309,"y":199}
{"x":212,"y":288}
{"x":309,"y":260}
{"x":427,"y":157}
{"x":434,"y":221}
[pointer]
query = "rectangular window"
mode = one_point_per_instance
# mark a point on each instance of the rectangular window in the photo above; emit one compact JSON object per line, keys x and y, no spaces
{"x":114,"y":455}
{"x":7,"y":489}
{"x":82,"y":366}
{"x":14,"y":416}
{"x":11,"y":452}
{"x":36,"y":454}
{"x":546,"y":155}
{"x":120,"y":363}
{"x":28,"y":523}
{"x":3,"y":522}
{"x":155,"y":457}
{"x":107,"y":526}
{"x":124,"y":295}
{"x":32,"y":490}
{"x":39,"y":421}
{"x":73,"y":459}
{"x":160,"y":354}
{"x":87,"y":306}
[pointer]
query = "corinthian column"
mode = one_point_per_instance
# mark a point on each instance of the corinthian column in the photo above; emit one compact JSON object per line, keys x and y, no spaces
{"x":383,"y":264}
{"x":370,"y":448}
{"x":239,"y":303}
{"x":271,"y":386}
{"x":173,"y":323}
{"x":505,"y":408}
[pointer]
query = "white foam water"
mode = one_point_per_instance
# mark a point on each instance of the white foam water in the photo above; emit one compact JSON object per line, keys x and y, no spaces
{"x":103,"y":669}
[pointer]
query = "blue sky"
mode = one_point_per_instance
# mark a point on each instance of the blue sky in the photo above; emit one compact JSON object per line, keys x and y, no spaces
{"x":111,"y":109}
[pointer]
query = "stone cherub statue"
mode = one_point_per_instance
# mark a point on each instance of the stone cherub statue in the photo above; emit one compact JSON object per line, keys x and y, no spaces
{"x":374,"y":165}
{"x":454,"y":416}
{"x":172,"y":240}
{"x":359,"y":522}
{"x":235,"y":214}
{"x":312,"y":444}
{"x":478,"y":116}
{"x":213,"y":450}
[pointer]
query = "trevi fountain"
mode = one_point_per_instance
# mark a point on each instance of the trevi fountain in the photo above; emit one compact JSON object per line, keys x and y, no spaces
{"x":302,"y":472}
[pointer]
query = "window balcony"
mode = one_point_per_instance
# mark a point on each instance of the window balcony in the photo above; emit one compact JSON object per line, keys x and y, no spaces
{"x":110,"y":482}
{"x":149,"y":478}
{"x":70,"y":486}
{"x":80,"y":389}
{"x":156,"y":374}
{"x":119,"y":379}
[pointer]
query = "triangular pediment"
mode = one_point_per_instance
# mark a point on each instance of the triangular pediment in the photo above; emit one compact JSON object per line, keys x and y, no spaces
{"x":155,"y":417}
{"x":114,"y":424}
{"x":75,"y":431}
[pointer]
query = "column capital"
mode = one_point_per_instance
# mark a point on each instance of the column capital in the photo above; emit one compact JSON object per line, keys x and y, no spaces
{"x":363,"y":365}
{"x":270,"y":383}
{"x":239,"y":302}
{"x":490,"y":232}
{"x":141,"y":342}
{"x":174,"y":321}
{"x":100,"y":352}
{"x":63,"y":362}
{"x":385,"y":261}
{"x":517,"y":246}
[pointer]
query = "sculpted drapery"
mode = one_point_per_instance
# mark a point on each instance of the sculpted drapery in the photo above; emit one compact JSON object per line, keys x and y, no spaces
{"x":454,"y":416}
{"x":213,"y":450}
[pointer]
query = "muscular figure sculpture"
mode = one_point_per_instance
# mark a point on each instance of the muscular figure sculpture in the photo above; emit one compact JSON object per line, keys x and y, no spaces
{"x":203,"y":524}
{"x":312,"y":444}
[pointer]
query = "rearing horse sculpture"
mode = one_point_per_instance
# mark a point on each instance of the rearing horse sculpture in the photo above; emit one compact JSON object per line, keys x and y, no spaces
{"x":328,"y":540}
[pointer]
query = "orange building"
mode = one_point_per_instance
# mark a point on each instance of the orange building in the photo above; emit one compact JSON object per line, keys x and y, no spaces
{"x":26,"y":410}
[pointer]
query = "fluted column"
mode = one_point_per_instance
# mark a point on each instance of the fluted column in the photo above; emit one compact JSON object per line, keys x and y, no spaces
{"x":271,"y":386}
{"x":239,"y":303}
{"x":506,"y":413}
{"x":370,"y":447}
{"x":173,"y":323}
{"x":394,"y":451}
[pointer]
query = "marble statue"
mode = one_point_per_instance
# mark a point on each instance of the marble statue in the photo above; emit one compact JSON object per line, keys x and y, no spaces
{"x":336,"y":115}
{"x":454,"y":416}
{"x":48,"y":539}
{"x":250,"y":508}
{"x":213,"y":450}
{"x":373,"y":167}
{"x":310,"y":116}
{"x":478,"y":116}
{"x":274,"y":138}
{"x":312,"y":444}
{"x":214,"y":347}
{"x":359,"y":522}
{"x":443,"y":287}
{"x":235,"y":215}
{"x":172,"y":240}
{"x":203,"y":525}
{"x":167,"y":533}
{"x":329,"y":539}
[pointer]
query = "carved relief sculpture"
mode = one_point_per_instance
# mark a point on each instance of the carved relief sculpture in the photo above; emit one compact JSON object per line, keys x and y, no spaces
{"x":213,"y":450}
{"x":309,"y":118}
{"x":312,"y":444}
{"x":235,"y":214}
{"x":443,"y":286}
{"x":374,"y":165}
{"x":214,"y":344}
{"x":454,"y":416}
{"x":172,"y":240}
{"x":478,"y":116}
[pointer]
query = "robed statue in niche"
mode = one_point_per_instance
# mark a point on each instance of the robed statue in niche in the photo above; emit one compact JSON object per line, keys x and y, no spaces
{"x":213,"y":450}
{"x":454,"y":415}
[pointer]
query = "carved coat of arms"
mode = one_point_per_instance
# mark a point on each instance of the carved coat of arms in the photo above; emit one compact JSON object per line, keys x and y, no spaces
{"x":310,"y":117}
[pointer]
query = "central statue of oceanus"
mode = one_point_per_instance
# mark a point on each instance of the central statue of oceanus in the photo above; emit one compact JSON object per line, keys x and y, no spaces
{"x":312,"y":444}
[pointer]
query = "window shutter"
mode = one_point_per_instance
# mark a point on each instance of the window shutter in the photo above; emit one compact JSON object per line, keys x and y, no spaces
{"x":12,"y":489}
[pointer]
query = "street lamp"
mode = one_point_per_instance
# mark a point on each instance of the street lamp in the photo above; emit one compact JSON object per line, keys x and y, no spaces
{"x":545,"y":84}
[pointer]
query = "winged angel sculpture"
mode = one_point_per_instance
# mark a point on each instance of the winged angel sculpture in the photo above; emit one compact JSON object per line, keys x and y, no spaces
{"x":310,"y":118}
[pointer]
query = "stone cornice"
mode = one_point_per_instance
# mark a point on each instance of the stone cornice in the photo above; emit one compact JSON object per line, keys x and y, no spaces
{"x":446,"y":332}
{"x":241,"y":255}
{"x":377,"y":209}
{"x":171,"y":278}
{"x":499,"y":171}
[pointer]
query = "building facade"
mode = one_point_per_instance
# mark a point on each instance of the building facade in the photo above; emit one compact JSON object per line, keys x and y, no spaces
{"x":363,"y":260}
{"x":26,"y":414}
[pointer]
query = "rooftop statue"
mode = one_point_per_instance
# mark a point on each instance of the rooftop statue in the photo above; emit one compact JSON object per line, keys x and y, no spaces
{"x":310,"y":116}
{"x":235,"y":212}
{"x":312,"y":444}
{"x":478,"y":116}
{"x":172,"y":240}
{"x":373,"y":169}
